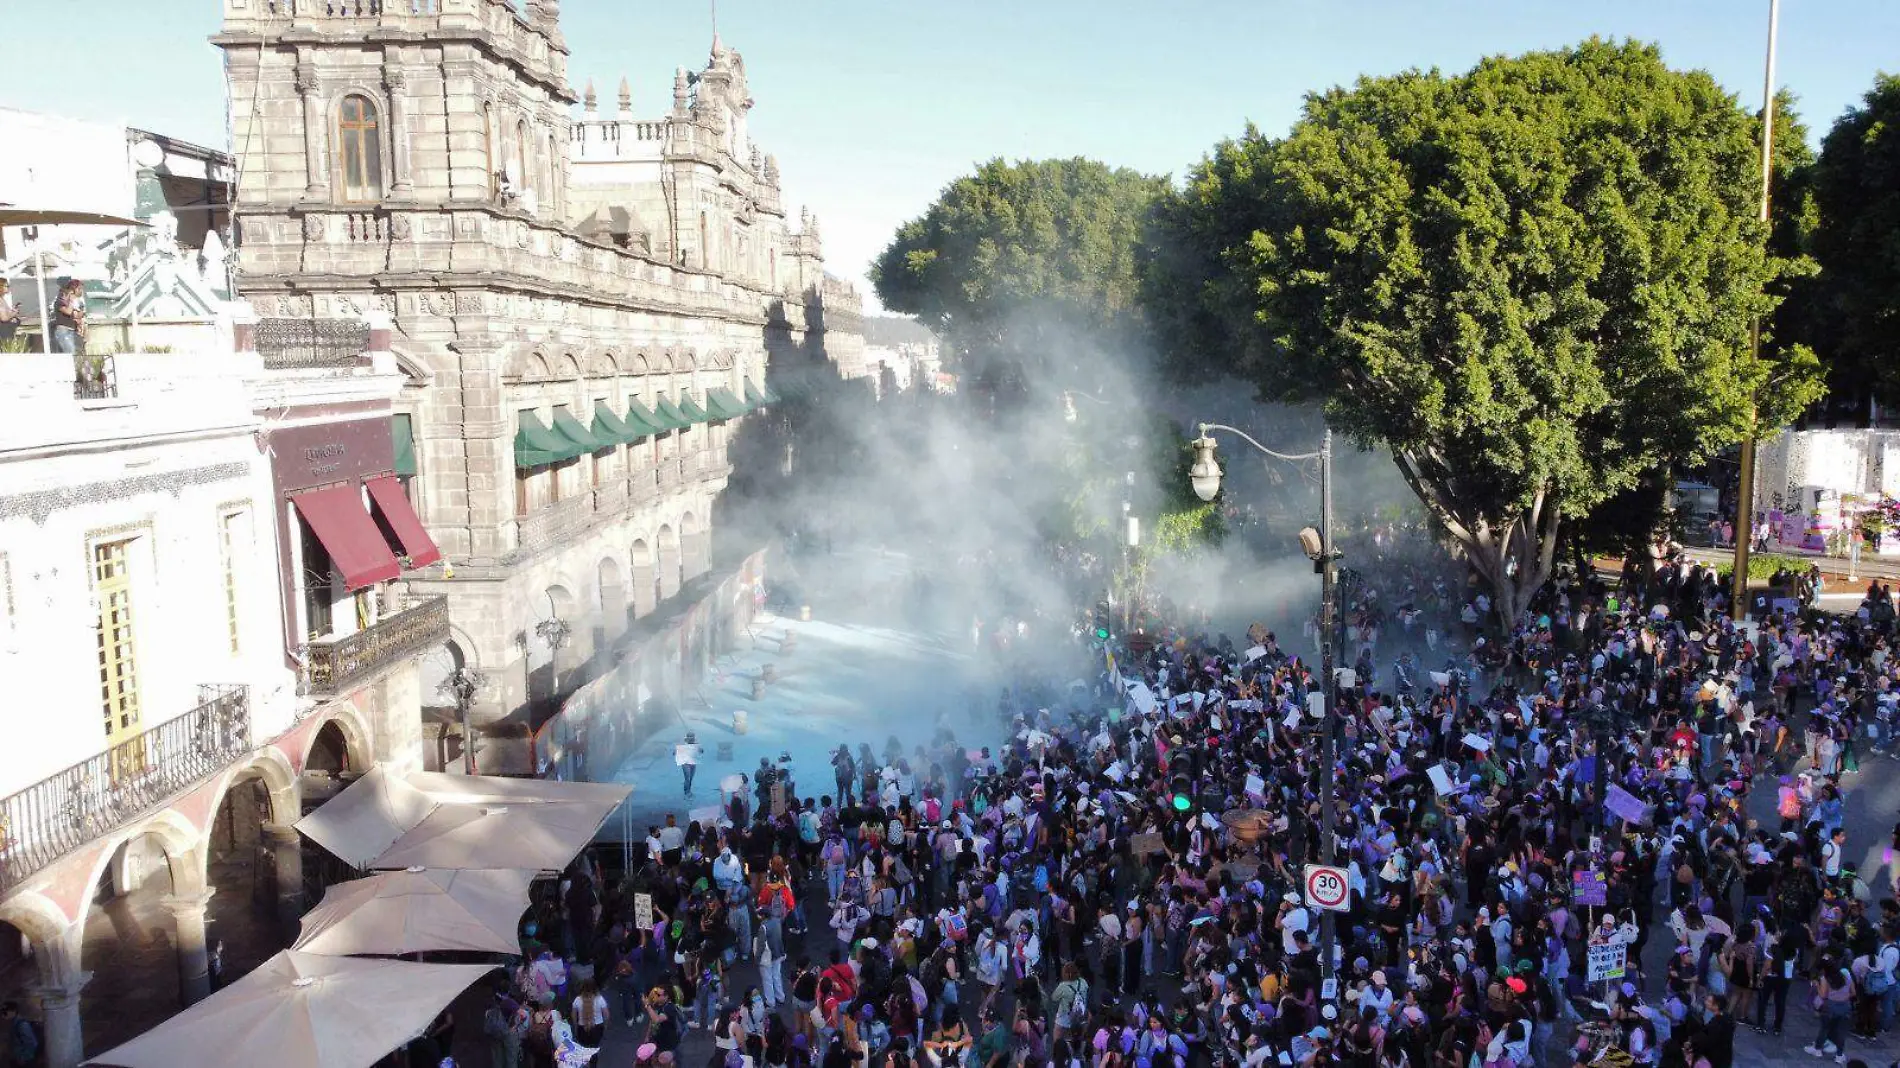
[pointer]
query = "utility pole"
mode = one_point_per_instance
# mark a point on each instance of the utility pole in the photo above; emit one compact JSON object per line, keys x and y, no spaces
{"x":1330,"y":617}
{"x":1745,"y":496}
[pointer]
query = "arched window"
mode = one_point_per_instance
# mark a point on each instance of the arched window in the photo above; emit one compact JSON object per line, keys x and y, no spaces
{"x":523,"y":155}
{"x":359,"y":149}
{"x":705,"y":244}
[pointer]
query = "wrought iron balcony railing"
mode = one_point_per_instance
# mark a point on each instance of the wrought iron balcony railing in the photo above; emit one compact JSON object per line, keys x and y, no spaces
{"x":311,"y":343}
{"x":101,"y":794}
{"x":332,"y":667}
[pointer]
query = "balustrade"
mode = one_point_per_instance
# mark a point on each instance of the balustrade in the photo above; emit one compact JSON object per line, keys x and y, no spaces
{"x":101,"y":794}
{"x":334,"y":666}
{"x":554,"y":523}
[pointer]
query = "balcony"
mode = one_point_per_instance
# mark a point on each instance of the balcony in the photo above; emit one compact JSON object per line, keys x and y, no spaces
{"x":642,"y":486}
{"x":669,"y":472}
{"x":311,"y":343}
{"x":97,"y":796}
{"x":552,"y":524}
{"x":610,"y":497}
{"x":334,"y":666}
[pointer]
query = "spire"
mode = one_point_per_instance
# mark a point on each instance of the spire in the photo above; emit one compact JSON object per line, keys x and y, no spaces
{"x":626,"y":99}
{"x":758,"y":161}
{"x":589,"y":100}
{"x":679,"y":91}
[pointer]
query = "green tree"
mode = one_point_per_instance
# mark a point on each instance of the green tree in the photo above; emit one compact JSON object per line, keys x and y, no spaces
{"x":1012,"y":256}
{"x":1854,"y":311}
{"x":1532,"y":282}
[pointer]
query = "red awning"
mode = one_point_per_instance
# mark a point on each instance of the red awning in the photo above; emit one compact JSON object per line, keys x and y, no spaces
{"x":357,"y":549}
{"x":389,"y":497}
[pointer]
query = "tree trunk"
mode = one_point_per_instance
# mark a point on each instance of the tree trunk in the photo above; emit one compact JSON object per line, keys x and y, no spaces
{"x":1512,"y":553}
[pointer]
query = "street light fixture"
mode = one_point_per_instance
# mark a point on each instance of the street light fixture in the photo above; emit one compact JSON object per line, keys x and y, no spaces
{"x":462,"y":684}
{"x":1205,"y":476}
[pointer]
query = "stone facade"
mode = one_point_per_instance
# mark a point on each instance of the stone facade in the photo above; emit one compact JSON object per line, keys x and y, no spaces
{"x":418,"y":160}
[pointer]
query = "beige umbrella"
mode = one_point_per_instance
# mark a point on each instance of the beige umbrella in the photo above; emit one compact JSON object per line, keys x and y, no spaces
{"x":15,"y":215}
{"x":420,"y":910}
{"x":302,"y":1010}
{"x":537,"y":835}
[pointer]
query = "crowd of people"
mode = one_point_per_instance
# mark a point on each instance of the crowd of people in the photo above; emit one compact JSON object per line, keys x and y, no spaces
{"x":1117,"y":879}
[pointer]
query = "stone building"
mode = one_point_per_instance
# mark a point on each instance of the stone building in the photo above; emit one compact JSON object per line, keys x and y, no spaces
{"x":584,"y":311}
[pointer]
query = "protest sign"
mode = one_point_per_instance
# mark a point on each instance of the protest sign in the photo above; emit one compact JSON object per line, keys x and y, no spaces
{"x":1255,"y":652}
{"x":1589,"y":887}
{"x":1256,"y":786}
{"x":643,"y":911}
{"x":1441,"y":780}
{"x":1147,"y":844}
{"x":1143,"y":697}
{"x":1608,"y":961}
{"x":1478,"y":742}
{"x":1625,"y":805}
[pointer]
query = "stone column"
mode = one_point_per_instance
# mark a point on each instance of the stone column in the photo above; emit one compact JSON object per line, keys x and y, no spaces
{"x":59,"y":1019}
{"x":316,"y":169}
{"x":57,"y":990}
{"x":397,"y":82}
{"x":188,"y":914}
{"x":286,"y":847}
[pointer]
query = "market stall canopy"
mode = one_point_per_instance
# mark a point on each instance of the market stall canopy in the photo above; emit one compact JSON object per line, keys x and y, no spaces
{"x":433,"y":820}
{"x":303,"y":1010}
{"x":420,"y":910}
{"x":18,"y":215}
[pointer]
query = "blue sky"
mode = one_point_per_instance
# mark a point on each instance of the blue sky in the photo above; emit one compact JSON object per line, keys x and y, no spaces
{"x":872,"y":106}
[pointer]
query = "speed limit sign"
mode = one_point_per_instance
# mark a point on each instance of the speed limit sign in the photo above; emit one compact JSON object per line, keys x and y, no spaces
{"x":1327,"y":888}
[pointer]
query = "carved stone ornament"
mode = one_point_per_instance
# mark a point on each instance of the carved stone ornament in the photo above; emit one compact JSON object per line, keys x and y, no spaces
{"x":399,"y":227}
{"x":313,"y":228}
{"x":39,"y":505}
{"x":468,"y":303}
{"x":306,"y":76}
{"x":395,"y":78}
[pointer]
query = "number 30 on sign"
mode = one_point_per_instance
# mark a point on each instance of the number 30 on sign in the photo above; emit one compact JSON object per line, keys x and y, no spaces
{"x":1327,"y":888}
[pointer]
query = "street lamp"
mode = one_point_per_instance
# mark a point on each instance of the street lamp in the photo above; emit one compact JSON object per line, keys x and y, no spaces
{"x":462,"y":684}
{"x":1205,"y":476}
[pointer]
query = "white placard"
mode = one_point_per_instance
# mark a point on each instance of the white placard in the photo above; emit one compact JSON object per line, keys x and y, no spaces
{"x":1441,"y":780}
{"x":643,"y":911}
{"x":1441,"y":679}
{"x":1255,"y":652}
{"x":1478,"y":742}
{"x":1256,"y":786}
{"x":1608,"y":961}
{"x":1143,"y":697}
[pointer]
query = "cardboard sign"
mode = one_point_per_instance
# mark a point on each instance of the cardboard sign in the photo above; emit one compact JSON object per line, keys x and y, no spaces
{"x":643,"y":911}
{"x":1589,"y":887}
{"x":1143,"y":697}
{"x":1255,"y":652}
{"x":1148,"y":844}
{"x":1256,"y":786}
{"x":1441,"y":780}
{"x":1478,"y":742}
{"x":1625,"y":805}
{"x":1607,"y":962}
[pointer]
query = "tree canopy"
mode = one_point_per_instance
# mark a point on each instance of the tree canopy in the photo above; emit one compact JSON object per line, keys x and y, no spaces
{"x":1853,"y":308}
{"x":1533,"y":282}
{"x":1061,"y":235}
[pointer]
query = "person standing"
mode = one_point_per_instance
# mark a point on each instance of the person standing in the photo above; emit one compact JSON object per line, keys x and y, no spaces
{"x":69,"y":317}
{"x":686,"y":755}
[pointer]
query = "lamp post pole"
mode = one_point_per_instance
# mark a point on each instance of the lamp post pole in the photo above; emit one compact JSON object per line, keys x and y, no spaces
{"x":1331,"y":618}
{"x":1205,"y":475}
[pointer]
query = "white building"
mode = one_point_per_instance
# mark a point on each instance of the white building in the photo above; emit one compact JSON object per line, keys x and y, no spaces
{"x":176,"y":707}
{"x":1804,"y":477}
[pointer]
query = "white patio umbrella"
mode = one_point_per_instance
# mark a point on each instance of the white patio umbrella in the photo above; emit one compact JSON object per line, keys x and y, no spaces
{"x":15,"y":215}
{"x":419,"y":910}
{"x":302,"y":1010}
{"x":543,"y":836}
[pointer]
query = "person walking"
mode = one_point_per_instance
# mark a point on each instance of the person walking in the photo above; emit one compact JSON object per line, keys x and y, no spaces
{"x":686,"y":754}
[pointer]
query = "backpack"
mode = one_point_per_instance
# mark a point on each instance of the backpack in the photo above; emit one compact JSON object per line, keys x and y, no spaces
{"x":899,"y":870}
{"x":779,"y":904}
{"x":495,"y":1022}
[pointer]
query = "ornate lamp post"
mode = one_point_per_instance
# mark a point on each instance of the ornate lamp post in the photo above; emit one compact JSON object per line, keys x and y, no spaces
{"x":462,"y":685}
{"x":1205,"y":476}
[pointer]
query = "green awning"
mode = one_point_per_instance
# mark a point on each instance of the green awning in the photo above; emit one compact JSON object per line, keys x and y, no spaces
{"x":537,"y":446}
{"x":721,"y":404}
{"x":753,"y":398}
{"x":674,"y":419}
{"x":609,"y":425}
{"x":402,"y":435}
{"x":692,"y":409}
{"x":571,"y":429}
{"x":642,"y":422}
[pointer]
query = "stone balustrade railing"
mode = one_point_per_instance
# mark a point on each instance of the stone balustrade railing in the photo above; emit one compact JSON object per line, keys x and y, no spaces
{"x":642,"y":486}
{"x":510,"y":243}
{"x":554,"y":523}
{"x":500,"y":20}
{"x":610,"y":497}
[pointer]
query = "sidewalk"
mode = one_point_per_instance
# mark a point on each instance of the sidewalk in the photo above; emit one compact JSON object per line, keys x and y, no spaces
{"x":1885,"y":568}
